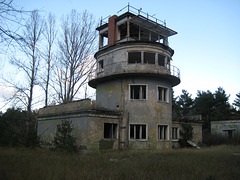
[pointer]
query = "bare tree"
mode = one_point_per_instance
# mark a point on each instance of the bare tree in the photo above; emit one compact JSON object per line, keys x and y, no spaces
{"x":74,"y":63}
{"x":50,"y":35}
{"x":10,"y":17}
{"x":29,"y":47}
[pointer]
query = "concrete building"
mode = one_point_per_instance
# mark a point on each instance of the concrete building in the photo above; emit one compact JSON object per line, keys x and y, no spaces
{"x":133,"y":83}
{"x":229,"y":128}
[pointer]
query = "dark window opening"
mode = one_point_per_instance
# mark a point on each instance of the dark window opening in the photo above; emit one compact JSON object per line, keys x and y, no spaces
{"x":138,"y":91}
{"x":138,"y":131}
{"x":149,"y":58}
{"x":162,"y":94}
{"x":174,"y":133}
{"x":134,"y":57}
{"x":134,"y":31}
{"x":162,"y":132}
{"x":103,"y":39}
{"x":161,"y":60}
{"x":100,"y":65}
{"x":122,"y":29}
{"x":110,"y":130}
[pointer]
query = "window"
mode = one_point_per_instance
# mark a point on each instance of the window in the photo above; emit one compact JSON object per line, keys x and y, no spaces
{"x":162,"y":132}
{"x":138,"y":131}
{"x":138,"y":92}
{"x":100,"y":65}
{"x":110,"y":130}
{"x":149,"y":58}
{"x":174,"y":133}
{"x":163,"y":94}
{"x":161,"y":60}
{"x":134,"y":57}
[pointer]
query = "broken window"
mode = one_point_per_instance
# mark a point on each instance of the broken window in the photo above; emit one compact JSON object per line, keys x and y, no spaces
{"x":103,"y":41}
{"x":163,"y":94}
{"x":110,"y":130}
{"x":134,"y":57}
{"x":100,"y":65}
{"x":161,"y":60}
{"x":149,"y":58}
{"x":162,"y":132}
{"x":122,"y":31}
{"x":138,"y":92}
{"x":174,"y":133}
{"x":138,"y":131}
{"x":134,"y":32}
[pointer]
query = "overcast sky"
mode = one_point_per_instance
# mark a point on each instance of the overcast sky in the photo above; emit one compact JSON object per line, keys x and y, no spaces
{"x":206,"y":47}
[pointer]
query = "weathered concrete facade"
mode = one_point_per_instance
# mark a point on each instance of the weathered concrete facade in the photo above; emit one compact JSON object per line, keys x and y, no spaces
{"x":88,"y":124}
{"x":133,"y":81}
{"x":228,"y":128}
{"x":134,"y":75}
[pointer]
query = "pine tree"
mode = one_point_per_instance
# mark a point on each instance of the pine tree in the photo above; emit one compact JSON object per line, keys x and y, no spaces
{"x":64,"y":140}
{"x":237,"y":100}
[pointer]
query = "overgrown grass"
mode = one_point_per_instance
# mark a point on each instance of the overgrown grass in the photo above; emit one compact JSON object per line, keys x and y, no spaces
{"x":220,"y":162}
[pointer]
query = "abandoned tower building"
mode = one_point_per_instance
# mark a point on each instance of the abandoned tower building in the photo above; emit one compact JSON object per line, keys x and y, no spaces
{"x":133,"y":83}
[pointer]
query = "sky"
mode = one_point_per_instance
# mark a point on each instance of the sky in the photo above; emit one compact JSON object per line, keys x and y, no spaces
{"x":206,"y":47}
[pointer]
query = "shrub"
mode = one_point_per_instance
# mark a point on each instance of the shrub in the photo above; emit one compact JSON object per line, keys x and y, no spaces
{"x":64,"y":139}
{"x":186,"y":134}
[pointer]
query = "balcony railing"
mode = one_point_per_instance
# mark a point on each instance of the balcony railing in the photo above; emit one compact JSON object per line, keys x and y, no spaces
{"x":126,"y":68}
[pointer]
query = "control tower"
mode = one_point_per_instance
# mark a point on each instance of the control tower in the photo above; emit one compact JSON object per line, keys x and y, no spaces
{"x":135,"y":76}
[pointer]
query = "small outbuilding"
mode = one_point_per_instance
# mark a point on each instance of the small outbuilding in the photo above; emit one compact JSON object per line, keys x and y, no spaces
{"x":228,"y":128}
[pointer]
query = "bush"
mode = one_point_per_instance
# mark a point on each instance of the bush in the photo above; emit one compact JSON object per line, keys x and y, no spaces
{"x":64,"y":139}
{"x":186,"y":134}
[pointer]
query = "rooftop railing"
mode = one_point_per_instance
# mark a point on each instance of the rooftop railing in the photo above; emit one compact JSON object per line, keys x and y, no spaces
{"x":135,"y":11}
{"x":127,"y":68}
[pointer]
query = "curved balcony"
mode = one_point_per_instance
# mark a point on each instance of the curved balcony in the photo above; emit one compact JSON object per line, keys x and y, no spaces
{"x":109,"y":71}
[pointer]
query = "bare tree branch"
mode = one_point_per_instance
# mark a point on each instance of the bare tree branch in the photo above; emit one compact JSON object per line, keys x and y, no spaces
{"x":76,"y":44}
{"x":29,"y":46}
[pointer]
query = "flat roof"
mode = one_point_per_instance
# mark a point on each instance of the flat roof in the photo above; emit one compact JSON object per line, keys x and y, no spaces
{"x":152,"y":26}
{"x":144,"y":22}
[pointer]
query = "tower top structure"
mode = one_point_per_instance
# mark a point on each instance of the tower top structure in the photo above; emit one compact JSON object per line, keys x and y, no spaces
{"x":133,"y":25}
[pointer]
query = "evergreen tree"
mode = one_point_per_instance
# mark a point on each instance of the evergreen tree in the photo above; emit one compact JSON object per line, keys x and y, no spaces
{"x":221,"y":105}
{"x":204,"y":105}
{"x":64,"y":140}
{"x":186,"y":134}
{"x":237,"y":101}
{"x":185,"y":103}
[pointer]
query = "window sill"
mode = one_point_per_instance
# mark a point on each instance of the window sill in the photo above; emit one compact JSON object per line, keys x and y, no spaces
{"x":174,"y":140}
{"x":163,"y":102}
{"x":138,"y":140}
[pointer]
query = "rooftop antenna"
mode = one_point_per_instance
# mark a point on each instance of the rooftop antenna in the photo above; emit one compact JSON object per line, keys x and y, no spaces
{"x":139,"y":11}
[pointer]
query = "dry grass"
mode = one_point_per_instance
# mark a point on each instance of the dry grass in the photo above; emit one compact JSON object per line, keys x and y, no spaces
{"x":220,"y":162}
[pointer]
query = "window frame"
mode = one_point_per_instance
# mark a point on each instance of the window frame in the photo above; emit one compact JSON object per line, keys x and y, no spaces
{"x":100,"y":65}
{"x":130,"y":91}
{"x":177,"y":133}
{"x":166,"y":95}
{"x":112,"y":131}
{"x":136,"y":62}
{"x":140,"y":138}
{"x":167,"y":131}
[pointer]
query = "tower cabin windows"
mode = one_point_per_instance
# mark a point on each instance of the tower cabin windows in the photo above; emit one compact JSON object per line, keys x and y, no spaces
{"x":134,"y":57}
{"x":149,"y":58}
{"x":141,"y":57}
